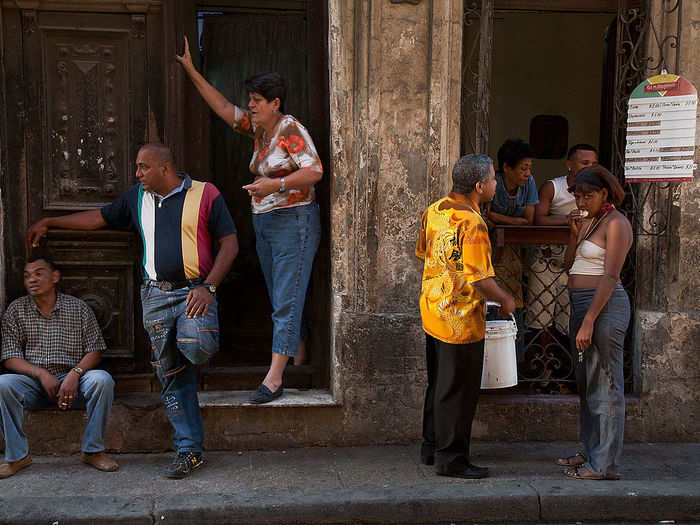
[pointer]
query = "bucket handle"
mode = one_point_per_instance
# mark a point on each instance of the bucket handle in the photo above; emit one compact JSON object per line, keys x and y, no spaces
{"x":496,"y":303}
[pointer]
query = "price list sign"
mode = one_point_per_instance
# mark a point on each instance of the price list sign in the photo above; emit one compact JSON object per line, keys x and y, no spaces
{"x":661,"y":120}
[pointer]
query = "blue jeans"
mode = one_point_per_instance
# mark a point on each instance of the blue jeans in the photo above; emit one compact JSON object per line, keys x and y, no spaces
{"x":286,"y":241}
{"x":600,"y":379}
{"x":19,"y":393}
{"x":178,"y":344}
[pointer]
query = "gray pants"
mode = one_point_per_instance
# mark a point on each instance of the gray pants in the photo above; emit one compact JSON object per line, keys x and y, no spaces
{"x":600,"y":379}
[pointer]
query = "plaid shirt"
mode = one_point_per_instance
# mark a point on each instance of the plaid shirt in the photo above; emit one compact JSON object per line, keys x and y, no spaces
{"x":56,"y":342}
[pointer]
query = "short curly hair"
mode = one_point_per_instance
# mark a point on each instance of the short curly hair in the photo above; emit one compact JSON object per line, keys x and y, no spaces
{"x":269,"y":85}
{"x":513,"y":151}
{"x":468,"y":170}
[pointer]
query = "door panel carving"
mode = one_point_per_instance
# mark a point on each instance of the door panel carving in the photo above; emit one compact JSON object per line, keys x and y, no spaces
{"x":89,"y":113}
{"x":100,"y":268}
{"x":86,"y":119}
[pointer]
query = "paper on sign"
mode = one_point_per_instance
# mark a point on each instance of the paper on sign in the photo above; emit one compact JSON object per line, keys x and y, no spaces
{"x":661,"y":126}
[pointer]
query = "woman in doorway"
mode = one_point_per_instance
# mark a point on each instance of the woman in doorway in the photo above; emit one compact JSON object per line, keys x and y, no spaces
{"x":599,"y":240}
{"x":286,"y":215}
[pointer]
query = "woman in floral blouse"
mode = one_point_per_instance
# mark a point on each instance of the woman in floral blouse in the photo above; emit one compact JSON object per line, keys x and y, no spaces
{"x":286,"y":216}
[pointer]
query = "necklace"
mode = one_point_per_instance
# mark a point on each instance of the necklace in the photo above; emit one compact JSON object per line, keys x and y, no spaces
{"x":596,"y":222}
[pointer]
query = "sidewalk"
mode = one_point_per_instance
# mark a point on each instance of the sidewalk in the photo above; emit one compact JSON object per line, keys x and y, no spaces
{"x":378,"y":484}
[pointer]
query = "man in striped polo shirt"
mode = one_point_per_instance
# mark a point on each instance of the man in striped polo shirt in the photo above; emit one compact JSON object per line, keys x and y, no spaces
{"x":179,"y":220}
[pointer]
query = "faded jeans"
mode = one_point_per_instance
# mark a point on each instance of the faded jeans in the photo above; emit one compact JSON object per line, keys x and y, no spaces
{"x":178,"y":344}
{"x":286,"y":241}
{"x":600,"y":379}
{"x":19,"y":393}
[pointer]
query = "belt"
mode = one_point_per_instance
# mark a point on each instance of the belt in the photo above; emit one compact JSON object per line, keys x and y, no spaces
{"x":166,"y":286}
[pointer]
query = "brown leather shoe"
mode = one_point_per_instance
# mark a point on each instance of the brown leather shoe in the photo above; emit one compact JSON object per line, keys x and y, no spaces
{"x":12,"y":467}
{"x":100,"y":461}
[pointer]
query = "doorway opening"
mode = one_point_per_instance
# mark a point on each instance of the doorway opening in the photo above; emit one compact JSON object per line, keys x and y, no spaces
{"x":237,"y":40}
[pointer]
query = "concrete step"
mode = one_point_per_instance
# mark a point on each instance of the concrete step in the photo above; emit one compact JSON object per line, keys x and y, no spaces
{"x":303,"y":418}
{"x":138,"y":423}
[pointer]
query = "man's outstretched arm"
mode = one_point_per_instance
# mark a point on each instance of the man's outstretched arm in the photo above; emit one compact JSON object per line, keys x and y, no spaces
{"x":84,"y":220}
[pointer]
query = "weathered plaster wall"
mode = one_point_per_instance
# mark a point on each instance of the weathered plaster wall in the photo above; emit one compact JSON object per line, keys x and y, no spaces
{"x":395,"y":81}
{"x":668,"y":321}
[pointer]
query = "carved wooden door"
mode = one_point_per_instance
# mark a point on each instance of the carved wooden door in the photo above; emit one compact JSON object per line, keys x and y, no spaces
{"x":82,"y":114}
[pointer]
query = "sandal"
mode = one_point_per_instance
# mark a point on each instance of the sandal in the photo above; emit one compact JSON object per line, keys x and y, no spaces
{"x":584,"y":473}
{"x":572,"y":461}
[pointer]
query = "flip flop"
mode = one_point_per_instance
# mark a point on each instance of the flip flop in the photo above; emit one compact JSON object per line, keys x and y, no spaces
{"x":571,"y":461}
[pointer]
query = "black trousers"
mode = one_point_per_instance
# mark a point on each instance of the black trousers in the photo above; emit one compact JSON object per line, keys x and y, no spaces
{"x":454,"y":381}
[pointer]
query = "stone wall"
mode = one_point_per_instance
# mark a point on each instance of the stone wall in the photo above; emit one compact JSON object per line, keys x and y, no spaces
{"x":395,"y":98}
{"x":668,"y":302}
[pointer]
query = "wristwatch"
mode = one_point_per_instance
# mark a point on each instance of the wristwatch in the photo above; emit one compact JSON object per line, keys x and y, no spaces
{"x":78,"y":371}
{"x":210,"y":287}
{"x":282,"y":186}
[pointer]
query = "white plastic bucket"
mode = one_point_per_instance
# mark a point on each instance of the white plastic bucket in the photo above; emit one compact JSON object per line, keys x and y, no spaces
{"x":500,"y":364}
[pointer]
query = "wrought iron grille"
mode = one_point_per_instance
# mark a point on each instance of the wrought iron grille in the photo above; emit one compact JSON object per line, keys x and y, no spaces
{"x":645,"y":40}
{"x":476,"y":75}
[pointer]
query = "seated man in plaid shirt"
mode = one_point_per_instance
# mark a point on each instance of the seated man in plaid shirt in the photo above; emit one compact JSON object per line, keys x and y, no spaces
{"x":51,"y":344}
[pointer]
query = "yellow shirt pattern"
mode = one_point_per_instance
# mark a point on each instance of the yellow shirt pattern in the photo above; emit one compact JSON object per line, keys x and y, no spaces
{"x":454,"y":243}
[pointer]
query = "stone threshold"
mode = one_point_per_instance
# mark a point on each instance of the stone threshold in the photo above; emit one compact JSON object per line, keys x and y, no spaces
{"x":292,"y":397}
{"x":237,"y":398}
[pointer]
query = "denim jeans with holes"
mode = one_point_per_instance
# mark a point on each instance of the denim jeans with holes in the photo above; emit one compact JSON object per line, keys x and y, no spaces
{"x":286,"y":241}
{"x":179,"y":343}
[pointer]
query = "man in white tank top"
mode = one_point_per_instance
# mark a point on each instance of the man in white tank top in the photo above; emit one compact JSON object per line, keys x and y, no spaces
{"x":547,"y":297}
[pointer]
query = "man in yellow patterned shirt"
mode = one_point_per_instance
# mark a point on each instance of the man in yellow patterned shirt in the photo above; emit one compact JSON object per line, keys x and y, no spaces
{"x":457,"y":278}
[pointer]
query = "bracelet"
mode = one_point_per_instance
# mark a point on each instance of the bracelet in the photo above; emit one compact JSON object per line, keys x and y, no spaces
{"x":78,"y":371}
{"x":282,"y":186}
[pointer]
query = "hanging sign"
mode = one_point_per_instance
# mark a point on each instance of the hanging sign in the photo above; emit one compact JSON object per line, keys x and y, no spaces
{"x":661,"y":121}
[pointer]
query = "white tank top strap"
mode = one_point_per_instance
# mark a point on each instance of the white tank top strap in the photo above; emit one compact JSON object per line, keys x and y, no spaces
{"x":563,"y":202}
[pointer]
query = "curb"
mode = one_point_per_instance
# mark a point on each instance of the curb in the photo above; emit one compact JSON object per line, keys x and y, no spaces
{"x":467,"y":501}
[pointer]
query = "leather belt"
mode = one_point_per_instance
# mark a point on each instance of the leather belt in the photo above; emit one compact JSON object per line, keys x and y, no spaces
{"x":167,"y":286}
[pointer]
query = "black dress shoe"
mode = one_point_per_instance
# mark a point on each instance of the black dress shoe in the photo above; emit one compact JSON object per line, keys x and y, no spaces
{"x":264,"y":395}
{"x":485,"y":470}
{"x":466,"y":472}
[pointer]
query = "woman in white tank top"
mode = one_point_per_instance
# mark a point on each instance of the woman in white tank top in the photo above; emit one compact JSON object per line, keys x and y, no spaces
{"x":599,"y":241}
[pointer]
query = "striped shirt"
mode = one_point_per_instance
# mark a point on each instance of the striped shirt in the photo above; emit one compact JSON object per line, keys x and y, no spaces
{"x":56,"y":342}
{"x":177,"y":231}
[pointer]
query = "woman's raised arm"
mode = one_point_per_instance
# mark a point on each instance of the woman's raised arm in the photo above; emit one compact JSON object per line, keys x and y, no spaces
{"x":216,"y":101}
